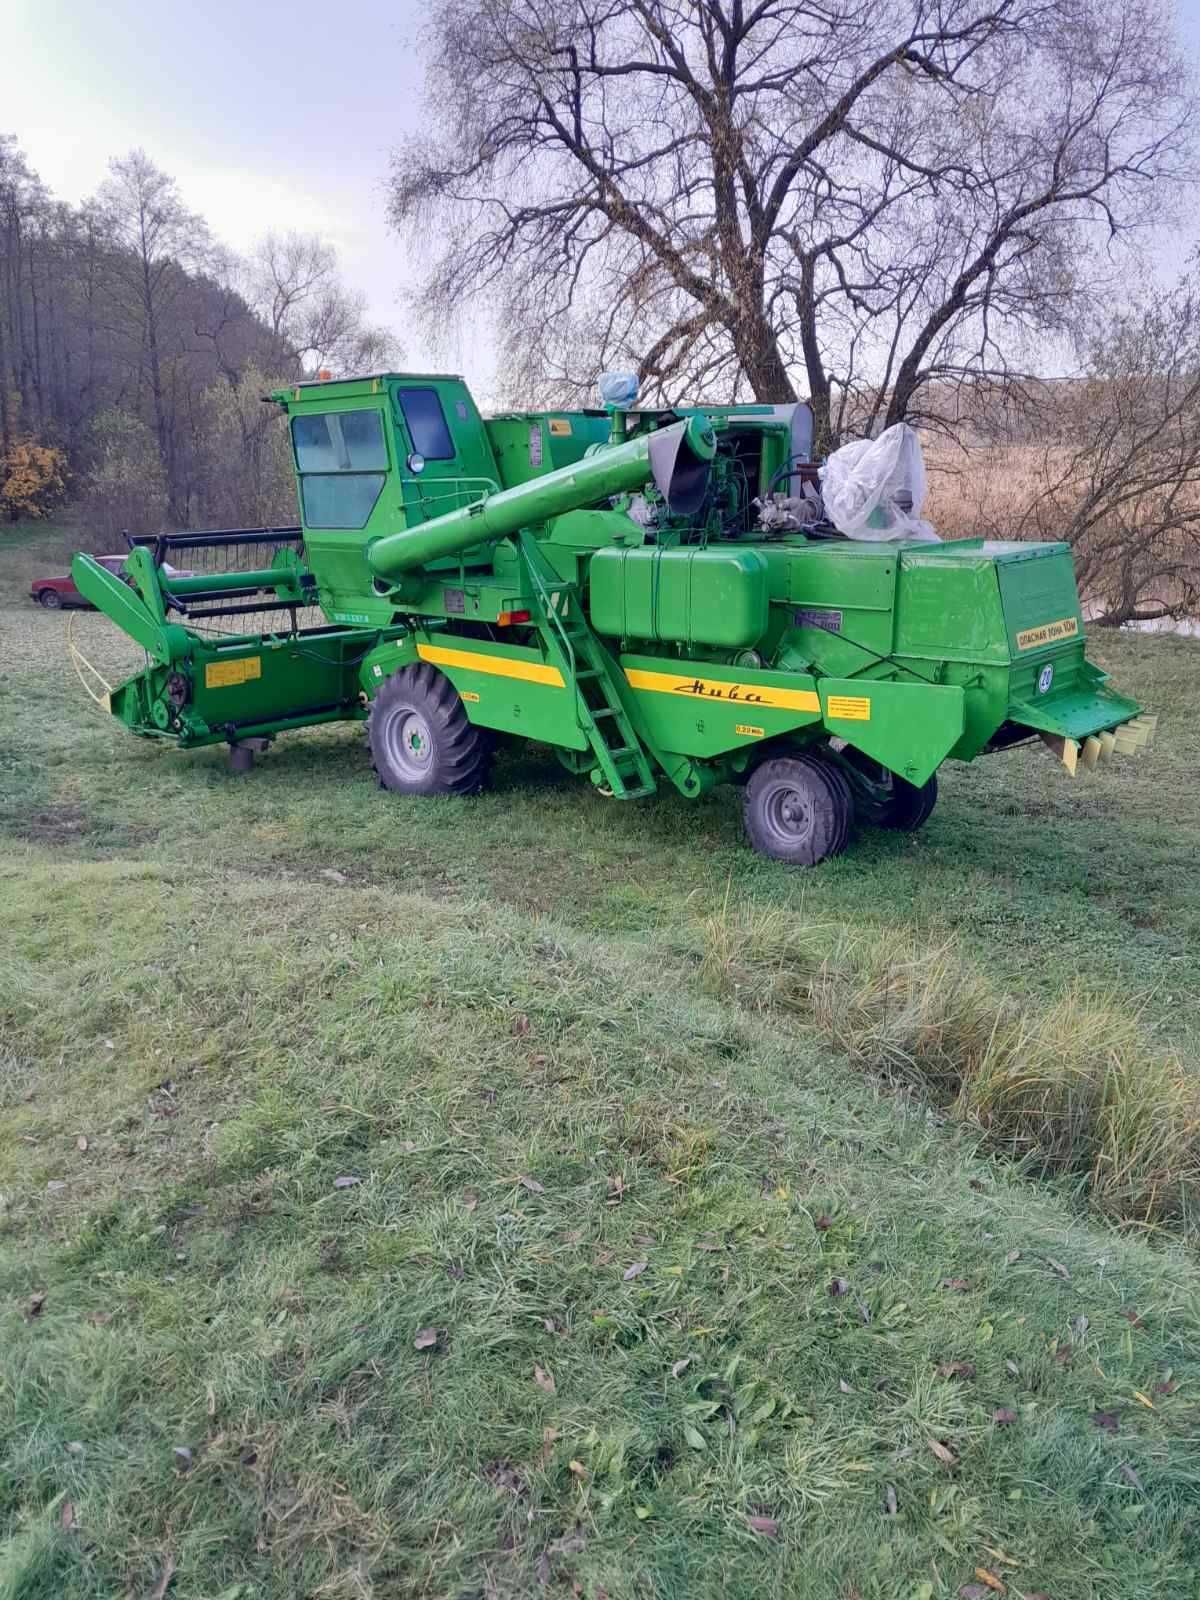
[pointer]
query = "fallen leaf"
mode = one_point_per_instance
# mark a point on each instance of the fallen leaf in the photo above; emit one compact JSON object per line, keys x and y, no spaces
{"x":642,"y":1513}
{"x":81,"y":1143}
{"x":764,"y":1525}
{"x":823,"y":1224}
{"x":1131,"y":1317}
{"x":1166,"y":1386}
{"x":470,"y":1199}
{"x":520,"y":1026}
{"x":578,"y":1468}
{"x":957,"y":1369}
{"x":1131,"y":1477}
{"x":635,"y":1271}
{"x":334,"y":875}
{"x":549,"y":1435}
{"x":616,"y":1188}
{"x":946,"y":1457}
{"x":994,"y":1583}
{"x":693,"y":1436}
{"x":680,"y":1367}
{"x":972,"y":1591}
{"x":839,"y":1286}
{"x":183,"y":1457}
{"x":1058,"y":1269}
{"x":1107,"y":1421}
{"x":544,"y":1379}
{"x":1012,"y":1258}
{"x":100,"y":1319}
{"x":844,"y":1387}
{"x":1012,"y":1369}
{"x":1003,"y":1415}
{"x":1063,"y":1355}
{"x":890,"y":1503}
{"x":66,"y":1516}
{"x":36,"y":1301}
{"x":531,"y":1184}
{"x":346,"y":1182}
{"x":164,"y":1580}
{"x":959,"y":1285}
{"x":426,"y":1339}
{"x":1143,"y":1399}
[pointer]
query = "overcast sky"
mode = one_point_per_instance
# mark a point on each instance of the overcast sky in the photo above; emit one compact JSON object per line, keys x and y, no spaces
{"x":268,"y":115}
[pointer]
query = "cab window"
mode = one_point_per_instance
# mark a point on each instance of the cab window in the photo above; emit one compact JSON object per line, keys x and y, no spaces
{"x":426,"y":423}
{"x":342,"y":460}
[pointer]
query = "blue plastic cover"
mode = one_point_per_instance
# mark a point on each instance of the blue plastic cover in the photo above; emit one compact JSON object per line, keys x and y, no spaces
{"x":618,"y":389}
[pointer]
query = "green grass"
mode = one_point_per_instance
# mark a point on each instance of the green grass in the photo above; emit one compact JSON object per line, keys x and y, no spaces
{"x":513,"y":1023}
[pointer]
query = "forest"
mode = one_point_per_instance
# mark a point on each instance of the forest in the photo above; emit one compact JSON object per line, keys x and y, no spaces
{"x":135,"y":349}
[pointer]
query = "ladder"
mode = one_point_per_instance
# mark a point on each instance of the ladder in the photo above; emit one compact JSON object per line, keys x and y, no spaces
{"x":590,"y":670}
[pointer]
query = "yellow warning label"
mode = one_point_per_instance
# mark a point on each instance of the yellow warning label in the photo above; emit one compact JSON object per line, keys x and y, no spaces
{"x":223,"y":674}
{"x":750,"y":731}
{"x":466,"y":694}
{"x":559,"y":426}
{"x":1048,"y":633}
{"x":850,"y":707}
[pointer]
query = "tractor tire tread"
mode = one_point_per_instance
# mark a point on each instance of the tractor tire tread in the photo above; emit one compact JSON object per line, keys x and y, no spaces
{"x":462,"y":752}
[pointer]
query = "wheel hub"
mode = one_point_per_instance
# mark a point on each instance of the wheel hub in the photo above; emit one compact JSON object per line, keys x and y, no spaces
{"x":409,"y":744}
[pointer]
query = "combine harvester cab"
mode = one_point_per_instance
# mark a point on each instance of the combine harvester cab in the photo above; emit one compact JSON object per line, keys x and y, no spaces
{"x":654,"y":594}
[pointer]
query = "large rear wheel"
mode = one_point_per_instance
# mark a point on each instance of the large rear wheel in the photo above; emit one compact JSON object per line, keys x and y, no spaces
{"x":421,"y":739}
{"x":798,"y":809}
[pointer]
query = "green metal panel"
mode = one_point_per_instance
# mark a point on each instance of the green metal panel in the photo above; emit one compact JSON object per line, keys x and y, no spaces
{"x":705,"y":708}
{"x":909,"y":727}
{"x":512,"y":688}
{"x":714,"y":597}
{"x":528,"y":444}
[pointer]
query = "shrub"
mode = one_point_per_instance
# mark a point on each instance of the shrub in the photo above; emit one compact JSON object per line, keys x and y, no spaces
{"x":33,"y":480}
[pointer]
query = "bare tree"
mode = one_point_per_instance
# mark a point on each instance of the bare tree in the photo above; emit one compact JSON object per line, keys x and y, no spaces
{"x":294,"y":284}
{"x":1121,"y":478}
{"x":872,"y":199}
{"x":156,"y":239}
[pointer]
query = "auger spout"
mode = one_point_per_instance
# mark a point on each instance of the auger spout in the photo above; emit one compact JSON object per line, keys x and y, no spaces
{"x":676,"y":458}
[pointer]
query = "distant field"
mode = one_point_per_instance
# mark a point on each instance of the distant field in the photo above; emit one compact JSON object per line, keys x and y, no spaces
{"x":633,"y":1284}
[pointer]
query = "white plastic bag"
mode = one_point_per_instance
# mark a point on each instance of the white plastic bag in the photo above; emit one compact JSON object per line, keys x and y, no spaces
{"x":875,"y":488}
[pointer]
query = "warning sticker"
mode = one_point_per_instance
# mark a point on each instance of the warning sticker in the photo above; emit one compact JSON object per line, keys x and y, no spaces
{"x":749,"y":731}
{"x":559,"y":426}
{"x":224,"y":674}
{"x":850,"y":707}
{"x":1048,"y":633}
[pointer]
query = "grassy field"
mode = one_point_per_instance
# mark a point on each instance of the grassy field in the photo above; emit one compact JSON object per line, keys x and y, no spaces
{"x":444,"y":1199}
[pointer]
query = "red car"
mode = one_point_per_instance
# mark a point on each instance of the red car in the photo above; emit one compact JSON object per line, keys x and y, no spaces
{"x":55,"y":592}
{"x":61,"y":591}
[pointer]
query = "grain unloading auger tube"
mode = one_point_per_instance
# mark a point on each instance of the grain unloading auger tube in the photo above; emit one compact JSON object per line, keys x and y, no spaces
{"x":657,"y":595}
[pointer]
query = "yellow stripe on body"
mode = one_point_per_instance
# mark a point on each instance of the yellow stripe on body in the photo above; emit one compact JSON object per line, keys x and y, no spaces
{"x":499,"y":666}
{"x":755,"y":694}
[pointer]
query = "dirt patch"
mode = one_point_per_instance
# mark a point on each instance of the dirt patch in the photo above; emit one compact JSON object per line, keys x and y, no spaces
{"x":53,"y":825}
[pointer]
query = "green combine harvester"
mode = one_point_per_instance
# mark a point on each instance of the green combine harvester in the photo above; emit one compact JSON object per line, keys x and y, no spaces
{"x":648,"y":592}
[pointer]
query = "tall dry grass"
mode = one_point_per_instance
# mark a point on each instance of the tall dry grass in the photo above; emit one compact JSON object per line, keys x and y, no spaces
{"x":1070,"y":1090}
